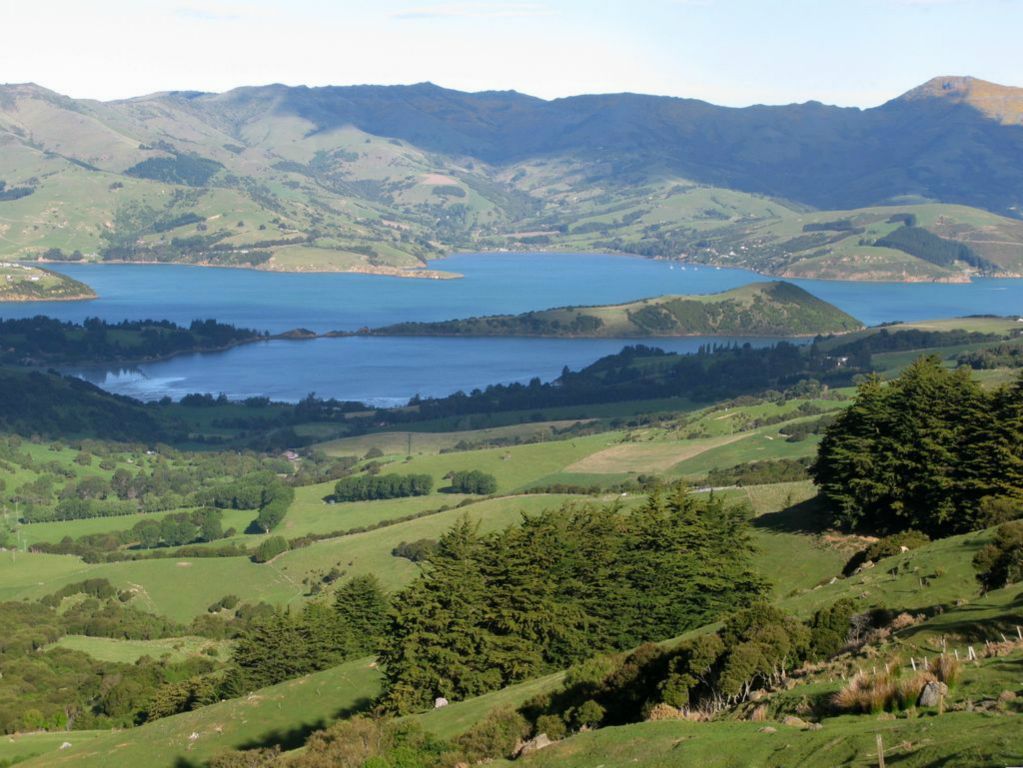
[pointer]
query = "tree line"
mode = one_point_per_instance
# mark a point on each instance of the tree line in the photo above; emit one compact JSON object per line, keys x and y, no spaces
{"x":374,"y":487}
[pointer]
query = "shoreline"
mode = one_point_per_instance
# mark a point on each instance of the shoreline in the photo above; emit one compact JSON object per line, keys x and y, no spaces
{"x":29,"y":299}
{"x":411,"y":273}
{"x":570,"y":337}
{"x":428,"y":273}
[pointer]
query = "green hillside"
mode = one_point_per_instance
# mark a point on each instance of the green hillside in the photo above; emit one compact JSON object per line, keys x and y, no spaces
{"x":21,"y":282}
{"x":383,"y":179}
{"x":129,"y":650}
{"x":757,"y":309}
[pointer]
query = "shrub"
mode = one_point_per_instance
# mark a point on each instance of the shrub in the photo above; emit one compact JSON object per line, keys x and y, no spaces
{"x":1001,"y":562}
{"x":588,"y":715}
{"x":995,"y":510}
{"x":497,"y":735}
{"x":829,"y":628}
{"x":553,"y":726}
{"x":416,"y":551}
{"x":248,"y":758}
{"x":270,"y":548}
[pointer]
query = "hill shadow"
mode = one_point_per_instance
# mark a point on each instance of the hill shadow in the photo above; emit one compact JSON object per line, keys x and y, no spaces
{"x":807,"y":517}
{"x":968,"y":625}
{"x":295,"y":737}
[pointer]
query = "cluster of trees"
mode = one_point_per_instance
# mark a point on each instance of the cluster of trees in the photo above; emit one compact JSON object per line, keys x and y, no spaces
{"x":472,"y":481}
{"x":714,"y":372}
{"x":13,"y":193}
{"x":755,"y":648}
{"x":269,"y":548}
{"x":795,"y":433}
{"x":838,"y":225}
{"x":373,"y":487}
{"x":859,"y":351}
{"x":190,"y":170}
{"x":56,"y":688}
{"x":490,"y":610}
{"x":919,"y":242}
{"x":999,"y":356}
{"x":56,"y":254}
{"x":43,"y":339}
{"x":930,"y":451}
{"x":417,"y":551}
{"x":284,"y":644}
{"x":136,"y":481}
{"x":47,"y":404}
{"x":181,"y":528}
{"x":263,"y":491}
{"x":543,"y":323}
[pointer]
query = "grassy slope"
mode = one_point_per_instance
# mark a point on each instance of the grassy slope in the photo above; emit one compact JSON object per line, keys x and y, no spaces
{"x":783,"y":538}
{"x":290,"y":707}
{"x":283,"y":713}
{"x":19,"y":282}
{"x":724,"y":438}
{"x":978,"y":740}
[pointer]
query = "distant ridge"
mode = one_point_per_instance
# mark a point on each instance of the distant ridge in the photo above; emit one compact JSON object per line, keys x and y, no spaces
{"x":999,"y":102}
{"x":383,"y":178}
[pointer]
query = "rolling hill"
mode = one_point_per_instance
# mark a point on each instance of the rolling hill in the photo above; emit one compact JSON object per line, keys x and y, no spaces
{"x":757,"y":309}
{"x":382,"y":179}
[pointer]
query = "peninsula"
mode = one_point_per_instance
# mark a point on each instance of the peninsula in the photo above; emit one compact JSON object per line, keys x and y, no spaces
{"x":757,"y":309}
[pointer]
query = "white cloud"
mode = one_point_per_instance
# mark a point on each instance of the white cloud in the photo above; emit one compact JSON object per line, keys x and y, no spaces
{"x":480,"y":10}
{"x":205,"y":14}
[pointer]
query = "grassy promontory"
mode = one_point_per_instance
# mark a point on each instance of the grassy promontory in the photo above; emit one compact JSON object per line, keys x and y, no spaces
{"x":21,"y":282}
{"x":758,"y":309}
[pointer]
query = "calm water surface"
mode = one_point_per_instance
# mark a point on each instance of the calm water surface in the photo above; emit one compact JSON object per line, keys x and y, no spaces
{"x":389,"y":371}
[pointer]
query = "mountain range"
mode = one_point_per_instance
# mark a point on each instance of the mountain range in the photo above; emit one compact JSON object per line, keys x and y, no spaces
{"x":383,"y":178}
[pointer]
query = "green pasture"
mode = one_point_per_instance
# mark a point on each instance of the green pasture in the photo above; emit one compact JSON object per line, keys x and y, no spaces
{"x":130,"y":651}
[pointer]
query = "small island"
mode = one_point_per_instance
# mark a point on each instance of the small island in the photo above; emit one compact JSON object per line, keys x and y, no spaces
{"x":23,"y":282}
{"x":758,"y":309}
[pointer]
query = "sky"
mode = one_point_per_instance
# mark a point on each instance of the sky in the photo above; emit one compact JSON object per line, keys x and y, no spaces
{"x":731,"y":52}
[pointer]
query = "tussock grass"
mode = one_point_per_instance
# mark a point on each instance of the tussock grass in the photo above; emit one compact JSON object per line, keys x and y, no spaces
{"x":893,"y":689}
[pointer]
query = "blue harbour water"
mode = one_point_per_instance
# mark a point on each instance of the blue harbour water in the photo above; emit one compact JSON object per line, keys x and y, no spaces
{"x":390,"y":370}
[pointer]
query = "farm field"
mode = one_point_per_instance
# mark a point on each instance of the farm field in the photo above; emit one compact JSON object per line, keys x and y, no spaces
{"x":397,"y":443}
{"x":178,"y":589}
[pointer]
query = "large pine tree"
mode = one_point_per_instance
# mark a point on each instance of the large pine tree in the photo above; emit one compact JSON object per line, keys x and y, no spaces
{"x":362,"y":609}
{"x":437,"y":643}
